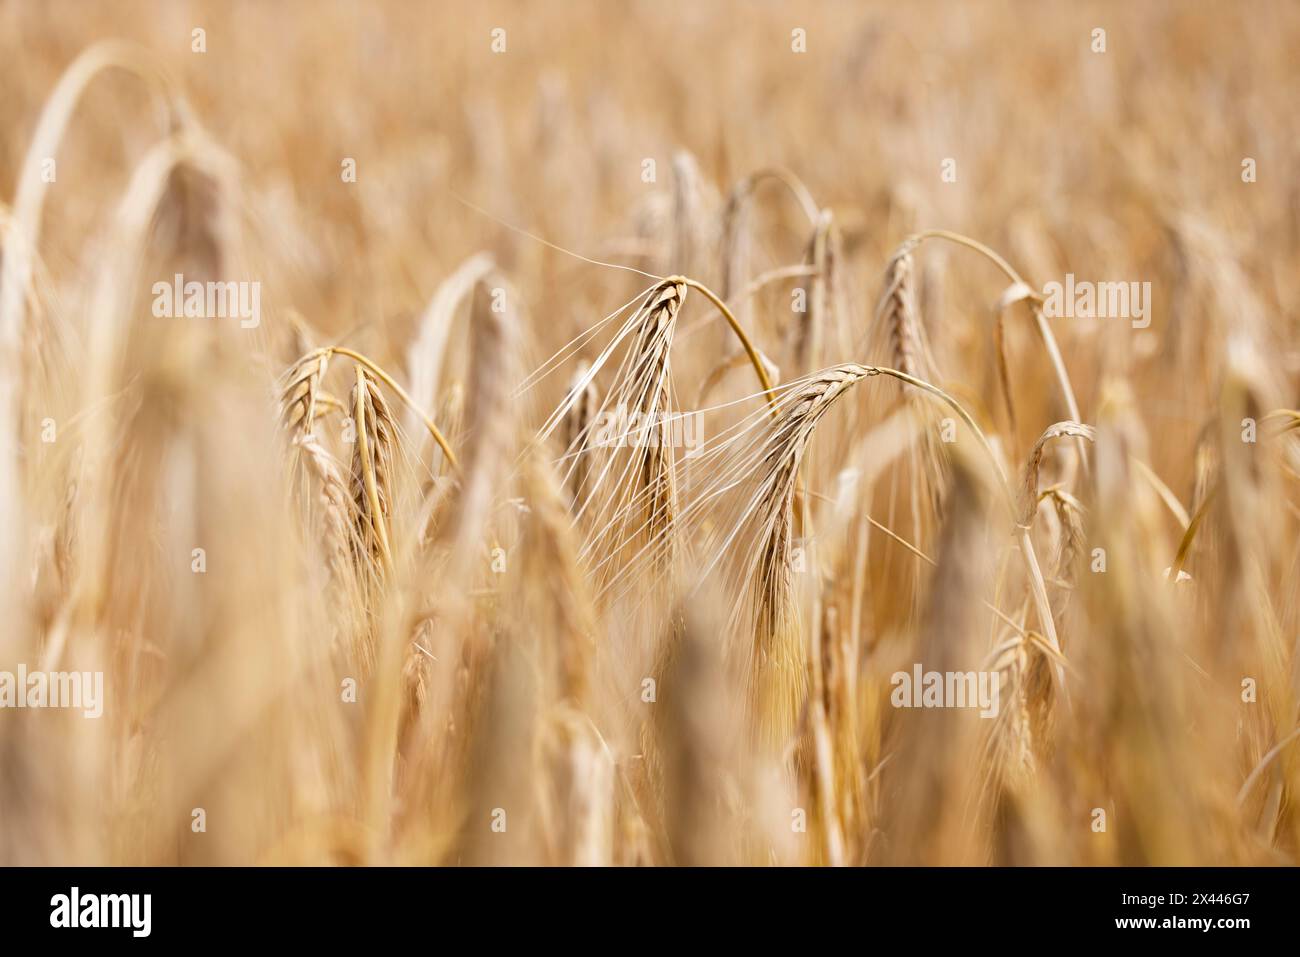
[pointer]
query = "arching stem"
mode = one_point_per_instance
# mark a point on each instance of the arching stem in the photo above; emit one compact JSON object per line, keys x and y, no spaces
{"x":388,"y":380}
{"x":755,"y":359}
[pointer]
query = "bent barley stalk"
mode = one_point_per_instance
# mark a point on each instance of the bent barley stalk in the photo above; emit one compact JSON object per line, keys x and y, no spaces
{"x":1024,"y":291}
{"x":427,"y":353}
{"x":779,"y":681}
{"x":319,"y":563}
{"x":638,"y":513}
{"x":375,"y":370}
{"x":1029,"y":490}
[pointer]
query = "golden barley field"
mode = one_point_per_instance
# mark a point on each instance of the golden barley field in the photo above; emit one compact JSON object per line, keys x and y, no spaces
{"x":673,"y":433}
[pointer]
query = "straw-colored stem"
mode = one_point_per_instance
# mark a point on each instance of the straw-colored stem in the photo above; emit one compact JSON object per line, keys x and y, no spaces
{"x":388,"y":380}
{"x":1044,"y":330}
{"x":1037,"y":586}
{"x":755,"y":359}
{"x":791,"y":182}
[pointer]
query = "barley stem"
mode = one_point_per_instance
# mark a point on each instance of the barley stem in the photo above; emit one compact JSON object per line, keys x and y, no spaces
{"x":755,"y":359}
{"x":388,"y":380}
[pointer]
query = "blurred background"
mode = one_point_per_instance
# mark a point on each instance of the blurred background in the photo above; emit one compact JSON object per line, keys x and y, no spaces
{"x":1116,"y":157}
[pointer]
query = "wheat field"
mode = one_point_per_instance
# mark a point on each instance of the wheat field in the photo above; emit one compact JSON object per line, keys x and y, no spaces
{"x":781,"y":433}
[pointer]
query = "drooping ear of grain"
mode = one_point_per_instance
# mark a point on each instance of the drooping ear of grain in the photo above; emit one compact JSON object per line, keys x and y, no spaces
{"x":900,"y":331}
{"x":336,"y":510}
{"x":428,"y":350}
{"x":445,"y":627}
{"x":632,"y":504}
{"x":374,"y":464}
{"x":1029,"y":487}
{"x":323,"y":488}
{"x":778,"y":677}
{"x":898,"y":339}
{"x":181,"y":547}
{"x":651,"y":351}
{"x":495,"y":339}
{"x":177,"y":214}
